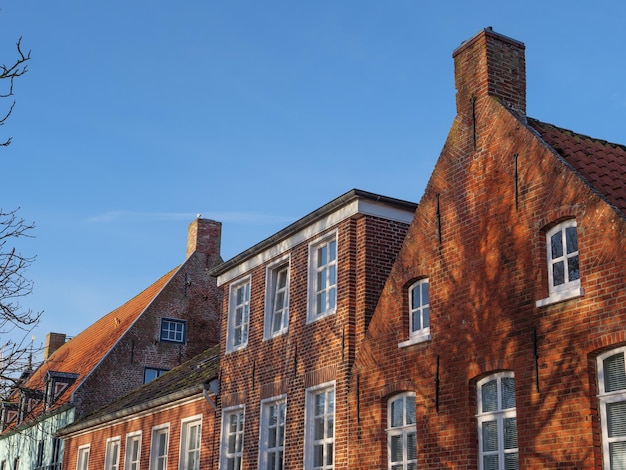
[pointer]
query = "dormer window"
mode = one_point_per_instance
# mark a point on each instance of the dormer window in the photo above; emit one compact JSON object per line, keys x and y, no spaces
{"x":56,"y":383}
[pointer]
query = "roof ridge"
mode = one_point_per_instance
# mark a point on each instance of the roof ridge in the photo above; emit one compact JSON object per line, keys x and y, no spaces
{"x":577,"y":134}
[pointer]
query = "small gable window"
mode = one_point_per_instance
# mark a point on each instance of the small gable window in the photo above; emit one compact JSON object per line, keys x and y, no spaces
{"x":419,"y":313}
{"x":562,"y":263}
{"x":173,"y":330}
{"x":151,"y":373}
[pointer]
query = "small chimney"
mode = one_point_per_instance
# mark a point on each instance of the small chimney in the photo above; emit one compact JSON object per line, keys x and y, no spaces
{"x":490,"y":64}
{"x":53,"y":342}
{"x":204,"y":236}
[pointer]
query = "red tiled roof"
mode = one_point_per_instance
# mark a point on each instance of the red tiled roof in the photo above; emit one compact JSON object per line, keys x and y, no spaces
{"x":601,"y":163}
{"x":81,"y":354}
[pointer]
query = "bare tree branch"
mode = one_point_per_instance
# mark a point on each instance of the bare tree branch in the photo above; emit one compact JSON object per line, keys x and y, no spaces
{"x":8,"y":73}
{"x":16,"y":322}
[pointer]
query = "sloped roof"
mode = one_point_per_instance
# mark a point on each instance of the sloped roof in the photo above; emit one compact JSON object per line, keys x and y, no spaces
{"x":601,"y":163}
{"x":180,"y":382}
{"x":81,"y":354}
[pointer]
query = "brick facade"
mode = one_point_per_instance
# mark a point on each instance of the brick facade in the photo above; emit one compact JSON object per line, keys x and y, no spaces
{"x":479,"y":236}
{"x":309,"y":353}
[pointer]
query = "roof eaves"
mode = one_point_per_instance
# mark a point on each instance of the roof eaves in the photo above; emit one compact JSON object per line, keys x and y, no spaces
{"x":307,"y":220}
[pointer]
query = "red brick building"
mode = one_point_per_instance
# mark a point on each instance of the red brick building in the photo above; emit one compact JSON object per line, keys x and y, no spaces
{"x":171,"y":321}
{"x":296,"y":306}
{"x":166,"y":423}
{"x":498,"y":341}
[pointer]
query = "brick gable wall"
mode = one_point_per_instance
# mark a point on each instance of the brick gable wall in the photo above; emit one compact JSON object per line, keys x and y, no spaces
{"x":487,"y":268}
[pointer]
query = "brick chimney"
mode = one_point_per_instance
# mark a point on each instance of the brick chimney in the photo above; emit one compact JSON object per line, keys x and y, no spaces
{"x":204,"y":236}
{"x":490,"y":64}
{"x":53,"y":342}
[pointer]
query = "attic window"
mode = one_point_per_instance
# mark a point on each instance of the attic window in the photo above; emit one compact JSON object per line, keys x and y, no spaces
{"x":57,"y":382}
{"x":173,"y":330}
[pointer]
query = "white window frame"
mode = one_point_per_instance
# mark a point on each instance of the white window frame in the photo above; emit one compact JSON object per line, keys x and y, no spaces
{"x":272,"y":291}
{"x":606,"y":398}
{"x":112,"y":453}
{"x":310,"y":419}
{"x":570,"y":288}
{"x":158,"y":454}
{"x":82,"y":458}
{"x":225,"y":453}
{"x":131,"y":463}
{"x":498,"y":415}
{"x":190,"y":451}
{"x":233,"y":308}
{"x":404,"y":430}
{"x":418,"y":335}
{"x":328,"y":269}
{"x":173,"y":330}
{"x":265,"y":448}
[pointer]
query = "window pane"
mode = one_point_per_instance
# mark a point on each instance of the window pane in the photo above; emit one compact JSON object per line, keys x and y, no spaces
{"x":616,"y":418}
{"x":558,"y":273}
{"x":510,"y":433}
{"x":410,"y":410}
{"x":490,"y":436}
{"x":321,"y":256}
{"x":416,"y":297}
{"x":424,"y":293}
{"x":332,"y":298}
{"x":573,"y":271}
{"x":508,"y":393}
{"x":556,"y":243}
{"x":397,"y":412}
{"x":617,"y":451}
{"x":417,"y":321}
{"x":396,"y":448}
{"x":489,"y":396}
{"x":319,"y":428}
{"x":490,"y":462}
{"x":510,"y":461}
{"x":426,"y":317}
{"x":411,"y":446}
{"x":614,"y":373}
{"x":571,"y":239}
{"x":318,"y":455}
{"x":329,"y":454}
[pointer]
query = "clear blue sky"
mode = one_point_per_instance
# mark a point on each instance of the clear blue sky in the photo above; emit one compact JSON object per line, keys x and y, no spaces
{"x":137,"y":115}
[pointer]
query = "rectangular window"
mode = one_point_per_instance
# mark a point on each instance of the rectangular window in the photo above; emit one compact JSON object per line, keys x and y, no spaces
{"x":39,"y":461}
{"x":319,"y":439}
{"x":82,"y":460}
{"x":238,"y":315}
{"x":112,"y":454}
{"x":190,"y":444}
{"x":322,"y":278}
{"x":158,"y":447}
{"x":401,"y":433}
{"x":272,"y":434}
{"x":151,"y":373}
{"x":612,"y":397}
{"x":497,"y":422}
{"x":173,"y":331}
{"x":56,"y":456}
{"x":133,"y":451}
{"x":232,"y":438}
{"x":277,"y":299}
{"x":563,"y":266}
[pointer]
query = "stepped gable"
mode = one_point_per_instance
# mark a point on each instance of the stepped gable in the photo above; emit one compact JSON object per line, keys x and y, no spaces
{"x":601,"y":163}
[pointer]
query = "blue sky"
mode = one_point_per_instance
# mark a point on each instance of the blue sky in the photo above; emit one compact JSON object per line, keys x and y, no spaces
{"x":137,"y":115}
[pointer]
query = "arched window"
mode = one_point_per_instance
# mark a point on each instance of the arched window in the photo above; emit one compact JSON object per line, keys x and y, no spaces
{"x":497,"y":422}
{"x":401,"y":433}
{"x":612,"y":396}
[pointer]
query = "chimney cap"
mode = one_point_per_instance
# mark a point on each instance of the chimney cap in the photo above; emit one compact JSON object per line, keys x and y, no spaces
{"x":488,"y":31}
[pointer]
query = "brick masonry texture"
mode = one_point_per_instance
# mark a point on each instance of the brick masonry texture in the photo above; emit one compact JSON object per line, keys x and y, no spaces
{"x":487,"y":268}
{"x":314,"y":353}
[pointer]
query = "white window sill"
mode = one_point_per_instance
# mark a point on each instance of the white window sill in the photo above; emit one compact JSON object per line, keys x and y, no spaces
{"x":236,"y":348}
{"x":562,"y":296}
{"x":416,"y":339}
